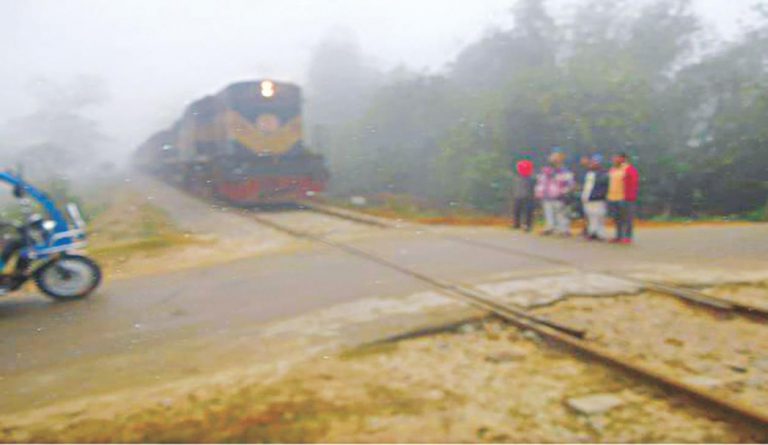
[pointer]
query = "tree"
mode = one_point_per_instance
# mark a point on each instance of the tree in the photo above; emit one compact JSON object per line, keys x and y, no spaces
{"x":531,"y":44}
{"x":340,"y":81}
{"x":57,"y":139}
{"x":617,"y":78}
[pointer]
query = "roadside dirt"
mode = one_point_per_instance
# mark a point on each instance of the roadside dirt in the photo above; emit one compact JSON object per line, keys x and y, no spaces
{"x":410,"y":211}
{"x":723,"y":352}
{"x":131,"y":231}
{"x":752,"y":294}
{"x":141,"y":234}
{"x":150,"y":228}
{"x":485,"y":382}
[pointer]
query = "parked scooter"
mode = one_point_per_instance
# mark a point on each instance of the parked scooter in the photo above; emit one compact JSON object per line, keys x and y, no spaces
{"x":49,"y":248}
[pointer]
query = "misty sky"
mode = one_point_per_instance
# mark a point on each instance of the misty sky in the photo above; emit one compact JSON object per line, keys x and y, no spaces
{"x":155,"y":55}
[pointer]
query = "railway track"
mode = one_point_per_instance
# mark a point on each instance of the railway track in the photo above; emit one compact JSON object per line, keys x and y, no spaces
{"x":558,"y":333}
{"x":516,"y":316}
{"x":686,"y":294}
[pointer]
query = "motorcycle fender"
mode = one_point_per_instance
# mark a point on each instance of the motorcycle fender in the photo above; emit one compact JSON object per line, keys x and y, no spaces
{"x":42,"y":265}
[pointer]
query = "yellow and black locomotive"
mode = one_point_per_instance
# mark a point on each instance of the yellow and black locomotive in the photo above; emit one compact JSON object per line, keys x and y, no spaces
{"x":243,"y":145}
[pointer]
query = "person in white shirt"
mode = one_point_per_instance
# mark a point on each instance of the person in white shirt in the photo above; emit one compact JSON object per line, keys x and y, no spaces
{"x":593,"y":198}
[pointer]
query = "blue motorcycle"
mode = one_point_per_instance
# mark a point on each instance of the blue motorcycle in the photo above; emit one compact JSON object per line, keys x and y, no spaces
{"x":48,"y":248}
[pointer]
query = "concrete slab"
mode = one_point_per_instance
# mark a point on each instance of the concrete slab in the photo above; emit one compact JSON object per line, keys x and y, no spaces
{"x":595,"y":403}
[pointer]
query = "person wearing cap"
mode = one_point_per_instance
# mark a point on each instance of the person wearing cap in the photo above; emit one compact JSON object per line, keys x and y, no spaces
{"x":553,"y":185}
{"x":623,"y":188}
{"x":593,"y":198}
{"x":522,"y":195}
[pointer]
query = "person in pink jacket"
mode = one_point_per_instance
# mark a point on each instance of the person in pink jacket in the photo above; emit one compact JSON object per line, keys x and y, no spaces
{"x":553,"y":184}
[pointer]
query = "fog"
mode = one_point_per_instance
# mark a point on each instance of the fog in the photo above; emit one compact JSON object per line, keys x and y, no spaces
{"x":125,"y":69}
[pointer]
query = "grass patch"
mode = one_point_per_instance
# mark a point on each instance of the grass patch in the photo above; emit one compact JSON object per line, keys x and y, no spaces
{"x":409,"y":208}
{"x":130,"y":227}
{"x":423,"y":212}
{"x":295,"y":410}
{"x":369,"y":350}
{"x":141,"y":246}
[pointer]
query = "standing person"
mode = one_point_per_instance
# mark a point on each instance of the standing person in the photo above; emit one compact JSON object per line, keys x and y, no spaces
{"x":543,"y":193}
{"x":581,"y":172}
{"x":553,"y":185}
{"x":623,"y":186}
{"x":523,"y":184}
{"x":593,"y":196}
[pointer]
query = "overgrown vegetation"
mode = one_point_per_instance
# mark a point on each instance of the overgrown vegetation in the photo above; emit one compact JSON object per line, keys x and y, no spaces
{"x":618,"y":76}
{"x":132,"y":226}
{"x":292,"y":411}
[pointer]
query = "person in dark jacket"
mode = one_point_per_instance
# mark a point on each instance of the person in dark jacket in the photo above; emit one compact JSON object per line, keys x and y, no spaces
{"x":523,"y":203}
{"x":593,"y":197}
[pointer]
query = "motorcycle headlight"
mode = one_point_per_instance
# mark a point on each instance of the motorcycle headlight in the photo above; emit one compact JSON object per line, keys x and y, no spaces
{"x":49,"y":225}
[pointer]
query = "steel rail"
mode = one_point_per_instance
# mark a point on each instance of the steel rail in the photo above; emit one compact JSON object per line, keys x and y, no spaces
{"x":689,"y":295}
{"x":473,"y":296}
{"x":570,"y":337}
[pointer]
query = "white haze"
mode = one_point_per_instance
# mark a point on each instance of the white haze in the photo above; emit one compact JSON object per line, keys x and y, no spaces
{"x":153,"y":56}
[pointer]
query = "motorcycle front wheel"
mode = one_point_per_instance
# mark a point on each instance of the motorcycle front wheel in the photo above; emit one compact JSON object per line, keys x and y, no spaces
{"x":70,"y":277}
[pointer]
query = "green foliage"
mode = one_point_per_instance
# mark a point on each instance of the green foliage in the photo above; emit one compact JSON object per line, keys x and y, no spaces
{"x":758,"y":215}
{"x":618,"y":78}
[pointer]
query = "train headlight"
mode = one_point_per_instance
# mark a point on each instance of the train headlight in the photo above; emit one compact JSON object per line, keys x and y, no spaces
{"x":267,"y":88}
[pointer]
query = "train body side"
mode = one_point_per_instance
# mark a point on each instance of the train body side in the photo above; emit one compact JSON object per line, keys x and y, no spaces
{"x":243,"y":145}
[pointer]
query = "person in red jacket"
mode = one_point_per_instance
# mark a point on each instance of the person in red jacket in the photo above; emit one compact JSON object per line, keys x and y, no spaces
{"x":522,"y":195}
{"x":623,"y":186}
